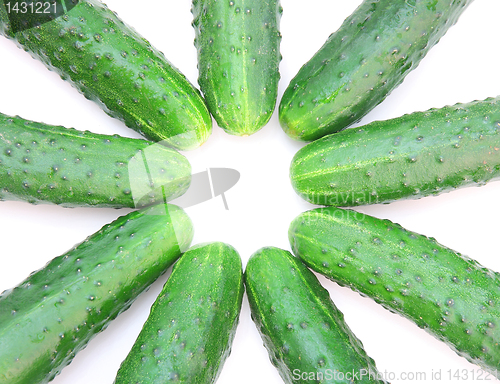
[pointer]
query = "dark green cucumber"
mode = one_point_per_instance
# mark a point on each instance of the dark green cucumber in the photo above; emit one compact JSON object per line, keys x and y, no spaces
{"x":113,"y":65}
{"x":362,"y":62}
{"x":238,"y":59}
{"x":304,"y":332}
{"x":189,"y":332}
{"x":416,"y":155}
{"x":45,"y":163}
{"x":449,"y":295}
{"x":57,"y":310}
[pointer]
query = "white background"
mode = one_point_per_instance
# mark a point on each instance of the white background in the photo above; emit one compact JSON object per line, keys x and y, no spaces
{"x":461,"y":68}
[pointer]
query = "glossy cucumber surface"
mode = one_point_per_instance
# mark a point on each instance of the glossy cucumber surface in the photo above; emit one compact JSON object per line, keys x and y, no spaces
{"x":238,"y":45}
{"x":44,"y":163}
{"x":57,"y":310}
{"x":188,"y":334}
{"x":409,"y":157}
{"x":111,"y":64}
{"x":305,"y":334}
{"x":451,"y":296}
{"x":362,"y":62}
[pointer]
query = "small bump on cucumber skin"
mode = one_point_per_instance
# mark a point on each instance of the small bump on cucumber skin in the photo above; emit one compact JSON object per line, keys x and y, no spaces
{"x":56,"y":311}
{"x":449,"y":295}
{"x":300,"y":326}
{"x":41,"y":163}
{"x":361,"y":63}
{"x":112,"y":65}
{"x":189,"y":332}
{"x":238,"y":58}
{"x":416,"y":155}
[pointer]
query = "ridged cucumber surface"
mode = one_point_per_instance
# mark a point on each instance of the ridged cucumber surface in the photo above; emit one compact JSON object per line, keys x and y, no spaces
{"x":362,"y":62}
{"x":409,"y":157}
{"x":111,"y":64}
{"x":57,"y":310}
{"x":305,"y":334}
{"x":449,"y":295}
{"x":189,"y":332}
{"x":238,"y":45}
{"x":45,"y":163}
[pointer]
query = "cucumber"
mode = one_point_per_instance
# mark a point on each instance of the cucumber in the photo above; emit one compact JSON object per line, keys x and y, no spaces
{"x":409,"y":157}
{"x":45,"y":163}
{"x":57,"y":310}
{"x":238,"y":59}
{"x":362,"y":62}
{"x":449,"y":295}
{"x":111,"y":64}
{"x":191,"y":326}
{"x":305,"y":334}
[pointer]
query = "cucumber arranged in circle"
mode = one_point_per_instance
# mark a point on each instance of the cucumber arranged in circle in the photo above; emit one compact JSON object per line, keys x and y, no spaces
{"x":57,"y":310}
{"x":304,"y":332}
{"x":45,"y":163}
{"x":238,"y":59}
{"x":111,"y":64}
{"x":362,"y":62}
{"x":189,"y":332}
{"x":409,"y":157}
{"x":449,"y":295}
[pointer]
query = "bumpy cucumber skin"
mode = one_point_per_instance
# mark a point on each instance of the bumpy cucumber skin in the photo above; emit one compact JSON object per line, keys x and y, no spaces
{"x":362,"y":62}
{"x":189,"y":332}
{"x":112,"y":65}
{"x":56,"y":311}
{"x":302,"y":329}
{"x":238,"y":58}
{"x":449,"y":295}
{"x":41,"y":163}
{"x":416,"y":155}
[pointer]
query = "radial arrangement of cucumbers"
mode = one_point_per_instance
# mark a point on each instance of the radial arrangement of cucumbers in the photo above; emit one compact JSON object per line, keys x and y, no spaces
{"x":344,"y":131}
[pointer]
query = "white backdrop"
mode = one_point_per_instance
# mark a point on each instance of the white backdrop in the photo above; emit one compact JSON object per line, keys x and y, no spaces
{"x":461,"y":68}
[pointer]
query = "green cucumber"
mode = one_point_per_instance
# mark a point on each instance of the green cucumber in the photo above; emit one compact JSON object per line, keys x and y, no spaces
{"x":409,"y":157}
{"x":45,"y":163}
{"x":449,"y":295}
{"x":304,"y":332}
{"x":57,"y":310}
{"x":238,"y":59}
{"x":111,"y":64}
{"x":189,"y":332}
{"x":362,"y":62}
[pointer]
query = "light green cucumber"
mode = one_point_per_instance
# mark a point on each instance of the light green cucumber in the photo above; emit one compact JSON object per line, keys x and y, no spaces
{"x":449,"y":295}
{"x":189,"y":332}
{"x":57,"y":310}
{"x":44,"y":163}
{"x":238,"y":59}
{"x":362,"y":62}
{"x":305,"y":334}
{"x":111,"y":64}
{"x":409,"y":157}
